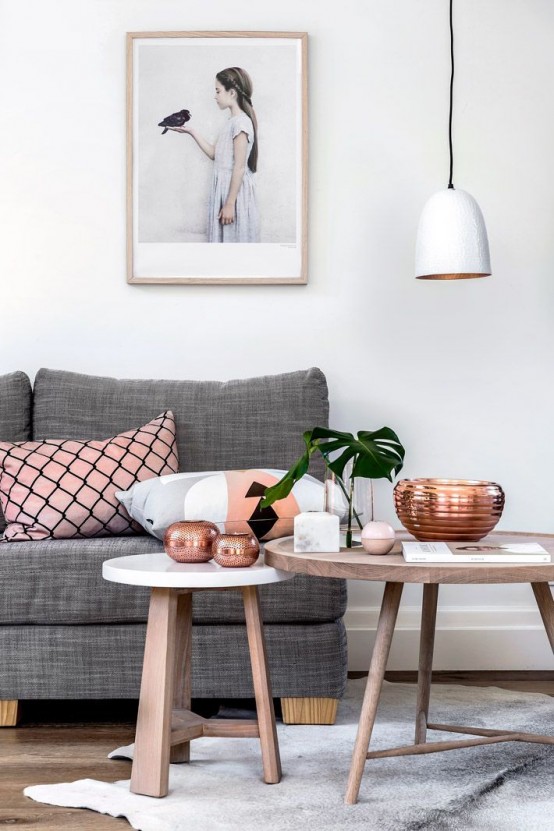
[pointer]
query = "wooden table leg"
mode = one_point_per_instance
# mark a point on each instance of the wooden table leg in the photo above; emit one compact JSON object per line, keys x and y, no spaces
{"x":385,"y":630}
{"x":183,"y":666}
{"x":426,"y":645}
{"x":262,"y":686}
{"x":150,"y":772}
{"x":543,"y":596}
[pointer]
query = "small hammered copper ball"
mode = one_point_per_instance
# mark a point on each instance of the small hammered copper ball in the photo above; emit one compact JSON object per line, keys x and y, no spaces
{"x":190,"y":542}
{"x":236,"y":550}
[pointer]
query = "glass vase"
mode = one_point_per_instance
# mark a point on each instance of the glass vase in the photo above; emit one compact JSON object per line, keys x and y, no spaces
{"x":352,"y":500}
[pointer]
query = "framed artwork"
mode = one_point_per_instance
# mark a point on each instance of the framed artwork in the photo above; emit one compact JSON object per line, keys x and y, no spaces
{"x":217,"y":144}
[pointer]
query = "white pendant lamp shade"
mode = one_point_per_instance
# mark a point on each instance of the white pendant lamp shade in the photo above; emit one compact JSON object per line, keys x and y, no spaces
{"x":452,"y":241}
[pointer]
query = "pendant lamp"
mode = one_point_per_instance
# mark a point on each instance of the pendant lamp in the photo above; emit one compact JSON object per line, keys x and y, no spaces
{"x":452,"y":241}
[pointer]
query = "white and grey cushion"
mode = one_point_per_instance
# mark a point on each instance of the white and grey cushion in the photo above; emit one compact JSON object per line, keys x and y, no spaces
{"x":225,"y":497}
{"x":15,"y":412}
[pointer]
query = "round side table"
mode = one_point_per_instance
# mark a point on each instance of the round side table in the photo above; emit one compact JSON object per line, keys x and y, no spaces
{"x":165,"y":724}
{"x":394,"y":571}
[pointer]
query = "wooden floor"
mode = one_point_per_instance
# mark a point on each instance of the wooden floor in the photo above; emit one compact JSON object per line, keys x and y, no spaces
{"x":38,"y":755}
{"x":63,"y":742}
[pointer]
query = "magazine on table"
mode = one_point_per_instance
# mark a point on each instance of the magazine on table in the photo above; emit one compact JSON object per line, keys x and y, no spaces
{"x":475,"y":552}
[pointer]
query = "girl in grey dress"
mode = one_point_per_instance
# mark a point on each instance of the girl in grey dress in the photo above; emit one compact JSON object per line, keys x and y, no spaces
{"x":232,"y":209}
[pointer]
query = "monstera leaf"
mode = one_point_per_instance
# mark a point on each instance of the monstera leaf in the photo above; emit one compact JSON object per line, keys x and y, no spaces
{"x":374,"y":455}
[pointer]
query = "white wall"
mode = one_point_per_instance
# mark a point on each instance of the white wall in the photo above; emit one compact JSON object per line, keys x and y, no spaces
{"x":462,"y":371}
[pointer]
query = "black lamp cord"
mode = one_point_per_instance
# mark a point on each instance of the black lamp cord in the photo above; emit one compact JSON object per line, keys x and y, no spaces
{"x":450,"y":185}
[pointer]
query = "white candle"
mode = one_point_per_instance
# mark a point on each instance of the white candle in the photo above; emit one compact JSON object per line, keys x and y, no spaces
{"x":316,"y":531}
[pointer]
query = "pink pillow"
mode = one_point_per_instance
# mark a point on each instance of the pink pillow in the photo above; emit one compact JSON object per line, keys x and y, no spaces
{"x":62,"y":488}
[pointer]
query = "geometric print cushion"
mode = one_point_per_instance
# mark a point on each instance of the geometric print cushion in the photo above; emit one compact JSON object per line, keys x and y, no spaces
{"x":230,"y":498}
{"x":62,"y":488}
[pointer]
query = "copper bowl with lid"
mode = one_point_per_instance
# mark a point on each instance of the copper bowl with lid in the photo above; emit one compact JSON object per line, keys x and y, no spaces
{"x":190,"y":541}
{"x":448,"y":509}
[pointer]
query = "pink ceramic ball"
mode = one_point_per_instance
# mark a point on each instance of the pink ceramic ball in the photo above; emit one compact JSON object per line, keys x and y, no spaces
{"x":378,"y":537}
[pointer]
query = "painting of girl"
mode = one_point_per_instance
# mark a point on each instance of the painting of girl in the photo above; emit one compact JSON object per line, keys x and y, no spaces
{"x":217,"y":157}
{"x":232,"y":209}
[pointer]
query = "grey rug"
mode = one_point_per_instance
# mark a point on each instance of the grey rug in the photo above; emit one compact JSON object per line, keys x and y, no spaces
{"x":502,"y":787}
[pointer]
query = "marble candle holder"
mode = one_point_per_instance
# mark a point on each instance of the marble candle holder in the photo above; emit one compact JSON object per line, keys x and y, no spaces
{"x":378,"y":537}
{"x":316,"y":531}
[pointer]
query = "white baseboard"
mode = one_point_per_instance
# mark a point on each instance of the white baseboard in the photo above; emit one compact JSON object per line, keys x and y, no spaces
{"x":472,"y":638}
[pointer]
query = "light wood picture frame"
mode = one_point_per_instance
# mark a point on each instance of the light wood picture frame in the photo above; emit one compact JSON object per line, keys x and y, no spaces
{"x":193,"y":218}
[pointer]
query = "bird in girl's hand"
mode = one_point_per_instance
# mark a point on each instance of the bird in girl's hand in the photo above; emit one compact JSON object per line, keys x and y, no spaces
{"x":175,"y":120}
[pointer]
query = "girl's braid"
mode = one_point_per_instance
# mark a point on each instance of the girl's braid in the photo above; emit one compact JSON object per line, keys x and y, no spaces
{"x":238,"y":88}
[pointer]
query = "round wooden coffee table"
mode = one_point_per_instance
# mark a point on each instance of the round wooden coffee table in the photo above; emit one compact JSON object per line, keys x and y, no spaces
{"x":165,"y":724}
{"x":355,"y":564}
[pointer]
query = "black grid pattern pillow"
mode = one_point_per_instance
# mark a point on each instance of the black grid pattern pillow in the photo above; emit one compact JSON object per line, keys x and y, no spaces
{"x":65,"y":488}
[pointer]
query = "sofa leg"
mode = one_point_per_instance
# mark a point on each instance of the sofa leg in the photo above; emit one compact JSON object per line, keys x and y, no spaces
{"x":309,"y":710}
{"x":9,"y":713}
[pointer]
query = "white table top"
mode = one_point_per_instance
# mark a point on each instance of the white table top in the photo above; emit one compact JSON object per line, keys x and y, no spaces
{"x":159,"y":570}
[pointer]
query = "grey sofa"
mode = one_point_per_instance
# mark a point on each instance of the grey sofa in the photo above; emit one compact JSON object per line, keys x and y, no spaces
{"x":66,"y":633}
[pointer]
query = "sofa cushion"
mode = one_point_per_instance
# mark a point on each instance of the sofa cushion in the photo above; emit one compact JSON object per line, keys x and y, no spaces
{"x":221,"y":425}
{"x":60,"y":582}
{"x":64,"y":488}
{"x":15,"y":412}
{"x":15,"y":407}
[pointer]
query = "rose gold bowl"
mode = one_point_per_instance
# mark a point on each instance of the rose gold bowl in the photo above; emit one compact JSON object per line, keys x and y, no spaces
{"x":448,"y":509}
{"x":191,"y":541}
{"x":236,"y":550}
